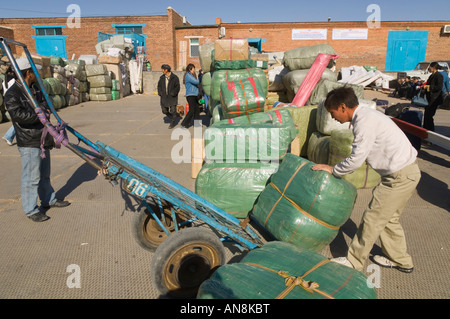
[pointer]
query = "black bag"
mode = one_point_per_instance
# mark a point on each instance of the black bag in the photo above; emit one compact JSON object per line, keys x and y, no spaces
{"x":446,"y":102}
{"x":413,"y":117}
{"x":396,"y":109}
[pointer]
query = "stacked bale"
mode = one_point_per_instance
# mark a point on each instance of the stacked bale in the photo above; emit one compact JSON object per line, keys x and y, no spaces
{"x":78,"y":80}
{"x":332,"y":143}
{"x":229,"y":60}
{"x":279,"y":270}
{"x":241,"y":155}
{"x":100,"y":82}
{"x":302,"y":206}
{"x":56,"y":91}
{"x":116,"y":54}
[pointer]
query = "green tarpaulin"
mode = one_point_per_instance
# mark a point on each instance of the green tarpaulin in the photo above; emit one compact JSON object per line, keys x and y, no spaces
{"x":233,"y":187}
{"x":279,"y":270}
{"x":242,"y":97}
{"x":302,"y":206}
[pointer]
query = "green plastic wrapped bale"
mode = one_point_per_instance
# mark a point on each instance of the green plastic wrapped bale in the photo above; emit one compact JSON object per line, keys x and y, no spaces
{"x":115,"y":95}
{"x":97,"y":81}
{"x":100,"y":90}
{"x":220,"y":76}
{"x":324,"y":86}
{"x":47,"y":86}
{"x":242,"y":97}
{"x":55,"y":87}
{"x":302,"y":206}
{"x":100,"y":97}
{"x":83,"y":87}
{"x":115,"y":85}
{"x":56,"y":60}
{"x":233,"y":65}
{"x":247,"y":142}
{"x":319,"y":148}
{"x":278,"y":116}
{"x":205,"y":52}
{"x":294,"y":79}
{"x":341,"y":148}
{"x":277,"y":270}
{"x":75,"y":69}
{"x":216,"y":114}
{"x":233,"y":187}
{"x":305,"y":121}
{"x":303,"y":57}
{"x":206,"y":83}
{"x":95,"y":69}
{"x":239,"y":64}
{"x":58,"y":101}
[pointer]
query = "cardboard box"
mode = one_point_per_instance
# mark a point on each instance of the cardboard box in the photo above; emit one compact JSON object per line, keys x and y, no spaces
{"x":231,"y":49}
{"x":106,"y":59}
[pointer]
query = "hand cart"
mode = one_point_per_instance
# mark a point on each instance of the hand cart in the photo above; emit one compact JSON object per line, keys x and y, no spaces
{"x":184,"y":230}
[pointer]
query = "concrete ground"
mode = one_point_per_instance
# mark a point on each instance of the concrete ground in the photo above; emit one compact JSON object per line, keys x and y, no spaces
{"x":92,"y":236}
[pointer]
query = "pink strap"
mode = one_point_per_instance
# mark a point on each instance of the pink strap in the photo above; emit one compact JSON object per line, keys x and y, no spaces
{"x":278,"y":114}
{"x":252,"y":82}
{"x":232,"y":87}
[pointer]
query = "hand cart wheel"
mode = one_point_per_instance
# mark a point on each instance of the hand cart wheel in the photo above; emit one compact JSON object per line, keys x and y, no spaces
{"x":148,"y":233}
{"x":184,"y":260}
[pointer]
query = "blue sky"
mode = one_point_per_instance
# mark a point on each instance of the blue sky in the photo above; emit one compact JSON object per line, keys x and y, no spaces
{"x":200,"y":12}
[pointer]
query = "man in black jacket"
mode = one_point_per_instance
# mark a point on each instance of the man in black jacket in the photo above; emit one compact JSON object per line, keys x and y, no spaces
{"x":35,"y":181}
{"x":168,"y":89}
{"x":434,"y":95}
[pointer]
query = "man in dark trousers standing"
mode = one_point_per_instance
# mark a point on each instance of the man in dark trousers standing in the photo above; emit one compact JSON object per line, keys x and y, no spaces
{"x":35,"y":181}
{"x":168,"y":89}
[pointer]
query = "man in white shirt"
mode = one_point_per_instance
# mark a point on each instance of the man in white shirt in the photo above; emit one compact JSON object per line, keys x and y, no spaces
{"x":380,"y":142}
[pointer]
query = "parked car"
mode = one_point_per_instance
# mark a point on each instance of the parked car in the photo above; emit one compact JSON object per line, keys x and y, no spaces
{"x":422,"y":69}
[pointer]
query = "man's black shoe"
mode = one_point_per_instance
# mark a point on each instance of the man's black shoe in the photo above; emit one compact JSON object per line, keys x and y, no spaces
{"x":38,"y":217}
{"x":172,"y":125}
{"x":58,"y":203}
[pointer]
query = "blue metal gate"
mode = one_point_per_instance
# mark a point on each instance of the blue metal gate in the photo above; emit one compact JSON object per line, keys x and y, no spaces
{"x":405,"y":49}
{"x":51,"y":45}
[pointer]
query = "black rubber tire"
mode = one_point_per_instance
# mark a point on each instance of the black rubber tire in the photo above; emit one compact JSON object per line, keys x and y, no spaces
{"x":184,"y":260}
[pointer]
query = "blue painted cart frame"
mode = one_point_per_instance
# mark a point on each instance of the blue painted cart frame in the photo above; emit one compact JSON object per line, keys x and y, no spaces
{"x":139,"y":180}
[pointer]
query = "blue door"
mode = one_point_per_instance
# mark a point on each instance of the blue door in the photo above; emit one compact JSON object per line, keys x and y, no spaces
{"x":405,"y":49}
{"x":51,"y":45}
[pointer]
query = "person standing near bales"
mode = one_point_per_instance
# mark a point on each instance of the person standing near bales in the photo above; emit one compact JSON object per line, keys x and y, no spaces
{"x":168,"y":89}
{"x":192,"y":83}
{"x":433,"y":90}
{"x":380,"y":142}
{"x":35,"y":181}
{"x":445,"y":89}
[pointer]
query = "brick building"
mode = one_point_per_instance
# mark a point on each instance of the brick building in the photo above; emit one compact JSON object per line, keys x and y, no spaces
{"x":171,"y":39}
{"x":406,"y":42}
{"x":159,"y":33}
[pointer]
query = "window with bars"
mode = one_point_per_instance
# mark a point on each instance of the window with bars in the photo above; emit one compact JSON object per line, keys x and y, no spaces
{"x":193,"y":47}
{"x":129,"y":29}
{"x":48,"y":31}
